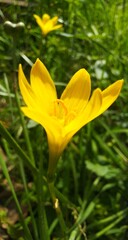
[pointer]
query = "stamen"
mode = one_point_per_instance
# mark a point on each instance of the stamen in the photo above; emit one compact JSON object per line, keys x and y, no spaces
{"x":60,"y":110}
{"x":70,"y":117}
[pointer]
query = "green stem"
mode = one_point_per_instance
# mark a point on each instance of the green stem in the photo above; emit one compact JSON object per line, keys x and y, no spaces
{"x":65,"y":200}
{"x":42,"y":219}
{"x":57,"y":208}
{"x":43,"y":45}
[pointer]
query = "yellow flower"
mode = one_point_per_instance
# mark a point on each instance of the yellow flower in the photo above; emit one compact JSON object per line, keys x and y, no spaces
{"x":47,"y":24}
{"x":62,"y":118}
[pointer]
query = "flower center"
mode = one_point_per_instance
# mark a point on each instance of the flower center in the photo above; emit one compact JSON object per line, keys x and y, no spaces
{"x":59,"y":109}
{"x":60,"y":112}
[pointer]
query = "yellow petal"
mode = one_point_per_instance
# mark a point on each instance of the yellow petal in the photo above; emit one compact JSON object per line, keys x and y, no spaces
{"x":54,"y":20}
{"x":25,"y":88}
{"x":45,"y":18}
{"x":49,"y":124}
{"x":46,"y":24}
{"x":49,"y":26}
{"x":42,"y":85}
{"x":77,"y":92}
{"x":88,"y":114}
{"x":38,"y":20}
{"x":56,"y":27}
{"x":110,"y":94}
{"x":54,"y":133}
{"x":41,"y":24}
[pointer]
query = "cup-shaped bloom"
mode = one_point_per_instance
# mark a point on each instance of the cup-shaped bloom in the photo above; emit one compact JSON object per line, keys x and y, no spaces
{"x":47,"y":24}
{"x":62,"y":118}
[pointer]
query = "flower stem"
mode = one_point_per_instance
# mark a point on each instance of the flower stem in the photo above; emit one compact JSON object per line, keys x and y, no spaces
{"x":42,"y":219}
{"x":56,"y":205}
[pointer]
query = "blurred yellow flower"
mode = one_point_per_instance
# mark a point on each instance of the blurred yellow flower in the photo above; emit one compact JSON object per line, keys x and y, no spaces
{"x":47,"y":24}
{"x":63,"y":117}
